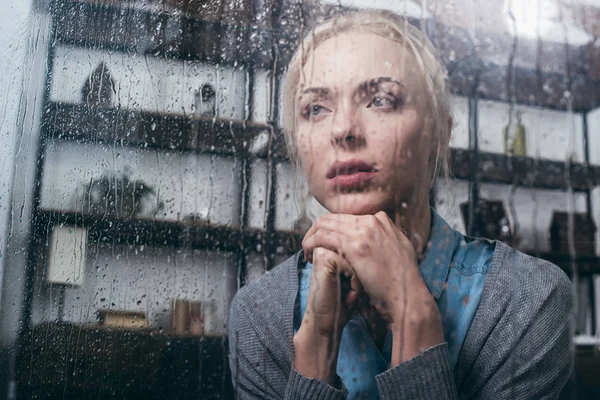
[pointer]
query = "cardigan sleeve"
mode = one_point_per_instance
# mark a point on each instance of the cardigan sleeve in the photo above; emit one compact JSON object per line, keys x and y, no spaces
{"x":530,"y":352}
{"x":519,"y":345}
{"x":426,"y":376}
{"x":258,"y":373}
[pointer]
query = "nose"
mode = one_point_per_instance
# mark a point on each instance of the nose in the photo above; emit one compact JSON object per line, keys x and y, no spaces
{"x":345,"y":131}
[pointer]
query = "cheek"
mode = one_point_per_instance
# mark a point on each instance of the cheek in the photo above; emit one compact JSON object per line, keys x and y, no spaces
{"x":414,"y":156}
{"x":405,"y":152}
{"x":311,"y":142}
{"x":401,"y":142}
{"x":310,"y":154}
{"x":305,"y":150}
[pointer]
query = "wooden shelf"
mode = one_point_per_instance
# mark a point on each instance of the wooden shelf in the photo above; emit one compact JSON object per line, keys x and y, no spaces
{"x":136,"y":231}
{"x":165,"y":131}
{"x":471,"y":71}
{"x":105,"y":329}
{"x":525,"y":171}
{"x":527,"y":91}
{"x":162,"y":34}
{"x":503,"y":169}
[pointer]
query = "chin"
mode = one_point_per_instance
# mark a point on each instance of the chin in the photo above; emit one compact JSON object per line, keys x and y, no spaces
{"x":355,"y":203}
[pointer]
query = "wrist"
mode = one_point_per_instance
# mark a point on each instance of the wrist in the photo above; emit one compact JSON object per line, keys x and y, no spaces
{"x":316,"y":354}
{"x":414,"y":331}
{"x":420,"y":310}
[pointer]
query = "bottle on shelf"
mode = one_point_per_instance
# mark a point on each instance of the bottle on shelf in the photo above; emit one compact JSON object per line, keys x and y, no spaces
{"x":515,"y":143}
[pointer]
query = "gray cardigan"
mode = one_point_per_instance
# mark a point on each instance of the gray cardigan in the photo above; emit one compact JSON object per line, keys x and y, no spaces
{"x":519,"y":345}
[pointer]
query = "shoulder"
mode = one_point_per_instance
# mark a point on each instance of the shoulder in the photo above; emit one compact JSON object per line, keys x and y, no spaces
{"x":521,"y":328}
{"x":531,"y":279}
{"x":525,"y":310}
{"x":268,"y":300}
{"x":524,"y":290}
{"x":260,"y":332}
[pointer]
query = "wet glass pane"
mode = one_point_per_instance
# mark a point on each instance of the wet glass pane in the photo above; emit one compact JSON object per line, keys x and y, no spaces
{"x":175,"y":175}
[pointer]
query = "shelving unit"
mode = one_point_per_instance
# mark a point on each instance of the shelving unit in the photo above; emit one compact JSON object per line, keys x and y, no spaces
{"x":151,"y":130}
{"x":172,"y":36}
{"x":147,"y":33}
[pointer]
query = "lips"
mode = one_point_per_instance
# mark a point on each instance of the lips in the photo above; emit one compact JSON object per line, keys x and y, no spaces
{"x":352,"y":175}
{"x":348,"y":168}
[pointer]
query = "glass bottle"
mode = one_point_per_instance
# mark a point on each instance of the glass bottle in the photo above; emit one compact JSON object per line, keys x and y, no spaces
{"x":515,"y":142}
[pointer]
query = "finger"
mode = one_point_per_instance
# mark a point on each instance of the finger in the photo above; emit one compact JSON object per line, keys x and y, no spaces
{"x":324,"y":238}
{"x":384,"y":218}
{"x":336,"y":267}
{"x":332,"y":273}
{"x":314,"y":227}
{"x":352,"y":292}
{"x":388,"y":224}
{"x":345,"y":224}
{"x":329,"y":262}
{"x":351,"y":300}
{"x":311,"y":231}
{"x":329,"y":222}
{"x":356,"y":286}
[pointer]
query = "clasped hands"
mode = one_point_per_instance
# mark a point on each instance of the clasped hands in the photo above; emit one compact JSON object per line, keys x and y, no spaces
{"x":379,"y":263}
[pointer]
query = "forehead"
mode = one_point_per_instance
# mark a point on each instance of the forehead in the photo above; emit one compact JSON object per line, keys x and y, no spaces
{"x":350,"y":58}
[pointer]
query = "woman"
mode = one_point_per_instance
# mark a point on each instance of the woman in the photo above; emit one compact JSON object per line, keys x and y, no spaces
{"x":386,"y":300}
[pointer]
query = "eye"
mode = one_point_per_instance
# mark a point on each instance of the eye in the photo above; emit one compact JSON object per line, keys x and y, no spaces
{"x":313,"y":110}
{"x":383,"y":101}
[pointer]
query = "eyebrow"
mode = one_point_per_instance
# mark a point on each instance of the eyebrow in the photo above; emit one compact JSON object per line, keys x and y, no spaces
{"x":371,"y":83}
{"x":377,"y":81}
{"x":317,"y":90}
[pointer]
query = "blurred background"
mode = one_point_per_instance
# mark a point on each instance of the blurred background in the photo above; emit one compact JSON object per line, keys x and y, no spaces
{"x":144,"y":177}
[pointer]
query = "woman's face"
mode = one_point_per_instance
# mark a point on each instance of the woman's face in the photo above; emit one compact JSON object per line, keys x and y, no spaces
{"x":362,"y":128}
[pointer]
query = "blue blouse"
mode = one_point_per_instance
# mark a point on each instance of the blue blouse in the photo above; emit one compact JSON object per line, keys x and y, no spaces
{"x":453,"y":268}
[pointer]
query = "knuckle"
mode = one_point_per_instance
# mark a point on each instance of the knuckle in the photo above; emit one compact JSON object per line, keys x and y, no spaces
{"x":317,"y":235}
{"x":320,"y":221}
{"x":361,"y":248}
{"x":320,"y":252}
{"x":321,"y":235}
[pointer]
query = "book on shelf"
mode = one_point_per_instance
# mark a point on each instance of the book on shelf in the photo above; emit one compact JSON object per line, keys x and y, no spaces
{"x":122,"y":319}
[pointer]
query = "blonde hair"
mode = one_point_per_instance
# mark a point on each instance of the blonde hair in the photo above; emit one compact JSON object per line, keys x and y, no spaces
{"x":388,"y":25}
